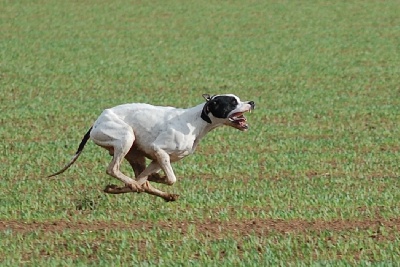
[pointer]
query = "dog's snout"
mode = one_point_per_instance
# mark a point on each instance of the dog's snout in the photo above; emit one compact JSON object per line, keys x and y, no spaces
{"x":252,"y":104}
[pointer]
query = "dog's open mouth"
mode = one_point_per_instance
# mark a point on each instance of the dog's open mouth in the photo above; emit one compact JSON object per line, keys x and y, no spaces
{"x":239,"y":121}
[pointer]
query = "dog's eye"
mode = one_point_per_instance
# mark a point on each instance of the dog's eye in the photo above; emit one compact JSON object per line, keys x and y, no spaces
{"x":234,"y":102}
{"x":214,"y":103}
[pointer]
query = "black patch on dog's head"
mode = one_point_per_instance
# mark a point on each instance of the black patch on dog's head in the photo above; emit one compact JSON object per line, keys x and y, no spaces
{"x":218,"y":106}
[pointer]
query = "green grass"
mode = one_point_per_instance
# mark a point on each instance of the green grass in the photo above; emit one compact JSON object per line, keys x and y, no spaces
{"x":323,"y":144}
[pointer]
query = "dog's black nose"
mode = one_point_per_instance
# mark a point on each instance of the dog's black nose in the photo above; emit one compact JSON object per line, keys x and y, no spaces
{"x":252,"y":104}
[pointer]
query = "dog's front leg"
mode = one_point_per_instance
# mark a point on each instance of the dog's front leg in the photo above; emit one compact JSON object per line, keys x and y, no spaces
{"x":113,"y":189}
{"x":154,"y":191}
{"x":164,"y":160}
{"x":141,"y":179}
{"x":150,"y":171}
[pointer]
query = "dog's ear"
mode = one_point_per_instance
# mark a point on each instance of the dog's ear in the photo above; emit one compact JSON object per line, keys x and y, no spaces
{"x":207,"y":97}
{"x":205,"y":111}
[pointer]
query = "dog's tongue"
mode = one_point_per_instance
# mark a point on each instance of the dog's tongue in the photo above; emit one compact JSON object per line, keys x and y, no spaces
{"x":243,"y":124}
{"x":240,"y":119}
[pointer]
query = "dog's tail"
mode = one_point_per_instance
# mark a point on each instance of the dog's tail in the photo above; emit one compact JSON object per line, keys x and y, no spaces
{"x":77,"y":154}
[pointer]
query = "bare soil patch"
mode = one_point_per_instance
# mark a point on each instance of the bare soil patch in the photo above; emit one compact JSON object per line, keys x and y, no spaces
{"x":210,"y":228}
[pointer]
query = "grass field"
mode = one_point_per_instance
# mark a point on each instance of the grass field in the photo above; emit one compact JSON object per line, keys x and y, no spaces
{"x":315,"y":181}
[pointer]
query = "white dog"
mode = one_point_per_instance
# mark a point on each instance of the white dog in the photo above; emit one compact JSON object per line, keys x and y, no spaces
{"x":162,"y":134}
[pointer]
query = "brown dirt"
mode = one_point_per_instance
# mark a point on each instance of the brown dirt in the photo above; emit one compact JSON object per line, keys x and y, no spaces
{"x":209,"y":228}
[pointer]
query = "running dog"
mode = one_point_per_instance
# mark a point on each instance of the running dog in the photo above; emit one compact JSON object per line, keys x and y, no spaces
{"x":162,"y":134}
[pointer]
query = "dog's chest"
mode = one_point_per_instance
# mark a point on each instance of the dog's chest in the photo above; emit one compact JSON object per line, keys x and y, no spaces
{"x":177,"y":144}
{"x":177,"y":132}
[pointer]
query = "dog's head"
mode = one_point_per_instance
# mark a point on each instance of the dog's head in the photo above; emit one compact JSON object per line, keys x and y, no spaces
{"x":226,"y":109}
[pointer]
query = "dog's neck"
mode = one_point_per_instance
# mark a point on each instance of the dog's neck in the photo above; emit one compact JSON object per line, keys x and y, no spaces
{"x":200,"y":127}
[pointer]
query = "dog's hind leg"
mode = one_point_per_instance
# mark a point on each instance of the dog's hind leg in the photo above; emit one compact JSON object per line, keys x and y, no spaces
{"x":138,"y":163}
{"x":113,"y":134}
{"x":150,"y":171}
{"x":113,"y":189}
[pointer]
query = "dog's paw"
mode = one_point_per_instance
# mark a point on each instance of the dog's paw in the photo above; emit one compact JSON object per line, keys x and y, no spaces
{"x":110,"y":189}
{"x":171,"y":197}
{"x":135,"y":187}
{"x":114,"y":189}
